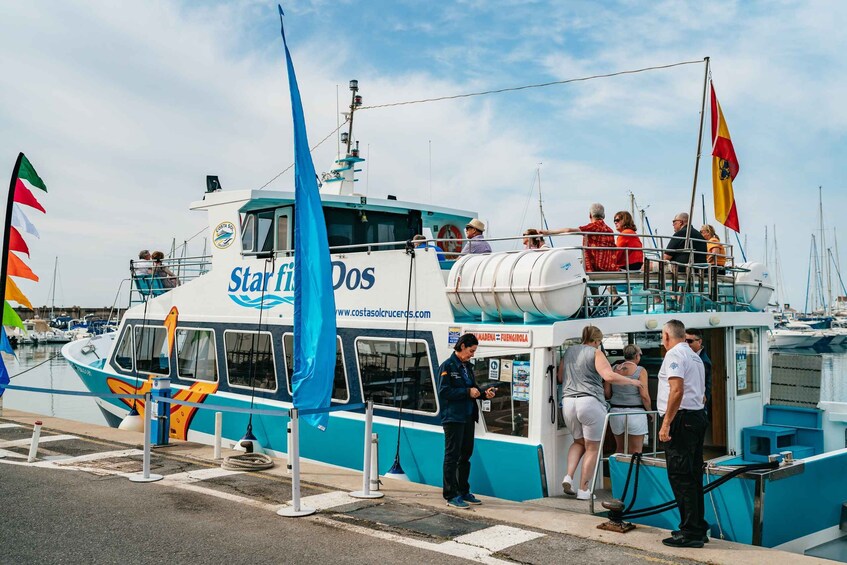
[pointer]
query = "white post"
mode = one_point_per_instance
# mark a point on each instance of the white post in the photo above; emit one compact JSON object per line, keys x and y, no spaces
{"x":375,"y":463}
{"x":366,"y":466}
{"x":33,"y":446}
{"x":146,"y":476}
{"x":288,"y":447}
{"x":295,"y":510}
{"x":219,"y":424}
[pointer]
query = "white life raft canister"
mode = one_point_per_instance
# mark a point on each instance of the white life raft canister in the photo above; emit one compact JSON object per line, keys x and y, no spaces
{"x":547,"y":283}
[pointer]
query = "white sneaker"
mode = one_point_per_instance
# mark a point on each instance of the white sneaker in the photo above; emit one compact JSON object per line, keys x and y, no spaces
{"x":583,"y":494}
{"x":567,"y":485}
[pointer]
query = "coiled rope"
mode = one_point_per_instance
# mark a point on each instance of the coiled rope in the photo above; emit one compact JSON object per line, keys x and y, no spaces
{"x":247,"y":462}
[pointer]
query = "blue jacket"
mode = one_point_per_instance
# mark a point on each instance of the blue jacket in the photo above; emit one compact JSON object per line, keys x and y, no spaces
{"x":453,"y":391}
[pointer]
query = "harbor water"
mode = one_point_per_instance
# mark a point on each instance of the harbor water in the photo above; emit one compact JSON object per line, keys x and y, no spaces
{"x":43,"y":366}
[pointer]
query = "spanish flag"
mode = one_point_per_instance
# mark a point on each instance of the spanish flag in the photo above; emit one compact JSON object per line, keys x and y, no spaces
{"x":724,"y":168}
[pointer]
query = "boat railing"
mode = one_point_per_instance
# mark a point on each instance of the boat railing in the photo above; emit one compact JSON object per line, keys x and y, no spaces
{"x":149,"y":279}
{"x":598,"y":465}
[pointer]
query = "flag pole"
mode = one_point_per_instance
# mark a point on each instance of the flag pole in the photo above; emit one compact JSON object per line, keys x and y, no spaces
{"x":7,"y":228}
{"x":697,"y":162}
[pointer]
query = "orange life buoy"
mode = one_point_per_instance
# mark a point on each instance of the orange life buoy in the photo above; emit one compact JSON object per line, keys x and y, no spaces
{"x":450,"y":237}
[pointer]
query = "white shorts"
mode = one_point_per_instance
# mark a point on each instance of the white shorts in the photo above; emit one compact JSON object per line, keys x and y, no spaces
{"x":636,"y":425}
{"x":584,"y":417}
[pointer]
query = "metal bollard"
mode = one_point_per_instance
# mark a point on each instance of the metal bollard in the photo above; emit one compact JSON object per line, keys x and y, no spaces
{"x":33,"y":446}
{"x":375,"y":462}
{"x":219,"y":424}
{"x":288,"y":447}
{"x":295,"y":510}
{"x":146,"y":476}
{"x":366,"y":467}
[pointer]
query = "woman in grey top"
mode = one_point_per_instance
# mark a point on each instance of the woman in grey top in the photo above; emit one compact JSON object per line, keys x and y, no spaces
{"x":629,"y":399}
{"x":582,"y":370}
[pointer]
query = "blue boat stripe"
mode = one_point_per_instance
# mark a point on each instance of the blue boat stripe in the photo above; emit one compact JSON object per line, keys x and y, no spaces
{"x":335,"y":408}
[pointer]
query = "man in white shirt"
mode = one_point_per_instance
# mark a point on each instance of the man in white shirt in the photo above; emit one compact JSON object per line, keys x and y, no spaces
{"x":682,"y":384}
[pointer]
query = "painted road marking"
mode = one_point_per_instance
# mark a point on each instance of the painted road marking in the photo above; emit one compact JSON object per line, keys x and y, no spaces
{"x":4,"y":426}
{"x":498,"y":538}
{"x":28,"y":441}
{"x":451,"y":548}
{"x":219,"y":494}
{"x":325,"y":501}
{"x":78,"y":463}
{"x":201,"y":475}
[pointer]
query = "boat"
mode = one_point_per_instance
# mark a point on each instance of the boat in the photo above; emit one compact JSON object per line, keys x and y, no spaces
{"x":399,"y":310}
{"x":793,"y":335}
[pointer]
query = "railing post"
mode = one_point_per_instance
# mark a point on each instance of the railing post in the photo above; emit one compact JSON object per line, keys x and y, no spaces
{"x":219,"y":424}
{"x":597,"y":466}
{"x":146,"y":476}
{"x":295,"y":510}
{"x":375,"y":462}
{"x":288,"y":447}
{"x":33,"y":446}
{"x":366,"y":466}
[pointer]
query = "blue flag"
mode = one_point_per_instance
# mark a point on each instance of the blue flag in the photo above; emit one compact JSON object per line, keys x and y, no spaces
{"x":5,"y":345}
{"x":314,"y":301}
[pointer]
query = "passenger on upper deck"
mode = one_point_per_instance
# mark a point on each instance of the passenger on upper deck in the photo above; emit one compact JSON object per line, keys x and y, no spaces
{"x":604,"y":259}
{"x":532,"y":240}
{"x":169,"y":279}
{"x":630,"y":256}
{"x":475,"y":241}
{"x":713,"y":245}
{"x":142,"y":267}
{"x":421,"y":243}
{"x":698,"y":243}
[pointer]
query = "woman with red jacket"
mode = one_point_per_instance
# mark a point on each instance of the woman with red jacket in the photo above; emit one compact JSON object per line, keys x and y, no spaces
{"x":630,"y":256}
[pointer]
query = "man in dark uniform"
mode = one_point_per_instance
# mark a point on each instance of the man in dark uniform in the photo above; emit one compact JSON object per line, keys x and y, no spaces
{"x":694,"y":339}
{"x":457,"y":393}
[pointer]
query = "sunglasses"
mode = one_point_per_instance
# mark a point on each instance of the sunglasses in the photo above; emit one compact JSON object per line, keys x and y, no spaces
{"x":618,"y":220}
{"x":691,"y":340}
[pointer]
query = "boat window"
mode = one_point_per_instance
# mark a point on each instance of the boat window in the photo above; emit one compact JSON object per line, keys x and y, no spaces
{"x":123,"y":355}
{"x":339,"y":383}
{"x":151,"y":350}
{"x":395,"y":376}
{"x":357,"y":227}
{"x":747,"y":360}
{"x":196,"y":357}
{"x":250,"y":360}
{"x":264,"y":225}
{"x":508,"y":413}
{"x":248,"y":227}
{"x":283,"y":222}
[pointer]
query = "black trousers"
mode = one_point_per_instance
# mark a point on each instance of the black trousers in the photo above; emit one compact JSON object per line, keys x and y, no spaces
{"x":458,"y":448}
{"x":684,"y":454}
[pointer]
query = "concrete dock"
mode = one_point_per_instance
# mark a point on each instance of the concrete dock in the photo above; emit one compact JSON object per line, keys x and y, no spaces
{"x":230,"y":511}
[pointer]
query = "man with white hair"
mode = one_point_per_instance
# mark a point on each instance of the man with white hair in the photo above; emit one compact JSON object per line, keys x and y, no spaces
{"x":600,"y":235}
{"x":698,"y":242}
{"x":679,"y":400}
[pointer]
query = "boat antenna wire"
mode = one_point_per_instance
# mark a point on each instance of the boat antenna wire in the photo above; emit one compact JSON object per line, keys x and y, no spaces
{"x":396,"y":468}
{"x":528,"y":86}
{"x":272,"y":261}
{"x":315,"y":146}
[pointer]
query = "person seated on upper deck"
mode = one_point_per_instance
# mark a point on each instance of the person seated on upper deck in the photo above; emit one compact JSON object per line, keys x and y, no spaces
{"x":630,"y":256}
{"x":420,"y":242}
{"x":169,"y":279}
{"x":717,"y":252}
{"x":475,"y":242}
{"x":142,"y":266}
{"x":531,"y":240}
{"x":604,"y":258}
{"x":677,"y":242}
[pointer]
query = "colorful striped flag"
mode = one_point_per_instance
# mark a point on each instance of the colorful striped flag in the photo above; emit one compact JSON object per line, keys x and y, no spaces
{"x":724,"y":168}
{"x":24,"y":179}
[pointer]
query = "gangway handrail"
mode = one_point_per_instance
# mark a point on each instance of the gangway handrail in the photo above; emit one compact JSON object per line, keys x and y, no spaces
{"x":600,"y":458}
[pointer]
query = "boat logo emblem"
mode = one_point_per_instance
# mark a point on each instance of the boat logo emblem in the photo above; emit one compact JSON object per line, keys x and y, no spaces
{"x":223,"y":235}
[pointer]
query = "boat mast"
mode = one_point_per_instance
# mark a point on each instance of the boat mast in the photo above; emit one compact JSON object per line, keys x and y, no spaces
{"x":697,"y":162}
{"x":823,"y":260}
{"x":53,"y":298}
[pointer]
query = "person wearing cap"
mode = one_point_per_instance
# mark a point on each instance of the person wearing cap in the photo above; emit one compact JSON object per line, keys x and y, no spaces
{"x":475,"y":242}
{"x":420,"y":242}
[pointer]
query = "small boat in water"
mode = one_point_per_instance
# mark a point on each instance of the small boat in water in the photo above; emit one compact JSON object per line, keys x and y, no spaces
{"x":795,"y":335}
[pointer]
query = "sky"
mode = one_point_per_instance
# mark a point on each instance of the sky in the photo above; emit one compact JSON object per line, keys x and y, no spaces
{"x":124,"y":108}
